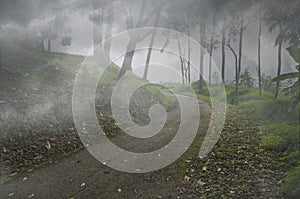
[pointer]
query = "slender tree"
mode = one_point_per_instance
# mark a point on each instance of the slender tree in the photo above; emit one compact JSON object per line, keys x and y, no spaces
{"x":283,"y":16}
{"x":151,"y":45}
{"x":182,"y":61}
{"x":279,"y":41}
{"x":202,"y":51}
{"x":223,"y":33}
{"x":189,"y":57}
{"x":133,"y":37}
{"x":0,"y":57}
{"x":50,"y":36}
{"x":109,"y":27}
{"x":0,"y":51}
{"x":212,"y":43}
{"x":97,"y":19}
{"x":235,"y":62}
{"x":241,"y":16}
{"x":241,"y":34}
{"x":259,"y":51}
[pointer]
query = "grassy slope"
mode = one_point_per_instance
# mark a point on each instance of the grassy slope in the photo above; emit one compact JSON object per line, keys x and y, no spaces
{"x":259,"y":143}
{"x":36,"y":115}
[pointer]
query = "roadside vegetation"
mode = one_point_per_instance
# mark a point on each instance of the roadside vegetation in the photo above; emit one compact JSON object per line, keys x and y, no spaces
{"x":258,"y":152}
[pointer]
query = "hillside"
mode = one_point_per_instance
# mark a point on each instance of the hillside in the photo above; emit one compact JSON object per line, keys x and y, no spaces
{"x":36,"y":106}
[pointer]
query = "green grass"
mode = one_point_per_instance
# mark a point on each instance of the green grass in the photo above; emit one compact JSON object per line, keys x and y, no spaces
{"x":290,"y":188}
{"x":279,"y":128}
{"x":280,"y":136}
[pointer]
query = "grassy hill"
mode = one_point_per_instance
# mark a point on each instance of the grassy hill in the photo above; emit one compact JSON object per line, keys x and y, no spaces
{"x":36,"y":106}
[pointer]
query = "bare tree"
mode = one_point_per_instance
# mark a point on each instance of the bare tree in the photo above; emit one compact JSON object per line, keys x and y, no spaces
{"x":109,"y":27}
{"x":223,"y":43}
{"x":97,"y":18}
{"x":50,"y":37}
{"x":202,"y":51}
{"x":0,"y":58}
{"x":182,"y":60}
{"x":235,"y":60}
{"x":133,"y":37}
{"x":212,"y":42}
{"x":241,"y":16}
{"x":189,"y":57}
{"x":259,"y":51}
{"x":279,"y":42}
{"x":0,"y":52}
{"x":151,"y":44}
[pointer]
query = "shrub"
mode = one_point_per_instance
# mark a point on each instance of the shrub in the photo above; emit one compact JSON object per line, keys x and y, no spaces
{"x":290,"y":187}
{"x":268,"y":110}
{"x":280,"y":137}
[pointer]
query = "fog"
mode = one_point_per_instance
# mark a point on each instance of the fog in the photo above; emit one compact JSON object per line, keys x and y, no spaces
{"x":25,"y":21}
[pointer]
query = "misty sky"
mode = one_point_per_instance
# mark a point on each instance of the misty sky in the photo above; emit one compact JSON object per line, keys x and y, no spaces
{"x":19,"y":18}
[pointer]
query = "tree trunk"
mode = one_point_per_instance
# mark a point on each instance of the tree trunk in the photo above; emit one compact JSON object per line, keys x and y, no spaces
{"x":133,"y":38}
{"x":149,"y":55}
{"x":236,"y":66}
{"x":236,"y":77}
{"x":223,"y":54}
{"x":127,"y":62}
{"x":49,"y":44}
{"x":241,"y":33}
{"x":186,"y":73}
{"x":42,"y":46}
{"x":1,"y":64}
{"x":189,"y":58}
{"x":109,"y":26}
{"x":278,"y":68}
{"x":151,"y":45}
{"x":210,"y":63}
{"x":212,"y":46}
{"x":202,"y":43}
{"x":97,"y":25}
{"x":181,"y":60}
{"x":259,"y":54}
{"x":182,"y":69}
{"x":49,"y":35}
{"x":0,"y":58}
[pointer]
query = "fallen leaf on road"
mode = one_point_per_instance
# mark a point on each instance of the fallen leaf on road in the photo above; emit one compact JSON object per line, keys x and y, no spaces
{"x":187,"y":178}
{"x":13,"y":174}
{"x":201,"y":183}
{"x":48,"y":146}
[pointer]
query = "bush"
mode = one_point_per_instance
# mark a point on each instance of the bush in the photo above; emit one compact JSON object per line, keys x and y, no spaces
{"x":280,"y":137}
{"x":289,"y":161}
{"x":269,"y":110}
{"x":290,"y":187}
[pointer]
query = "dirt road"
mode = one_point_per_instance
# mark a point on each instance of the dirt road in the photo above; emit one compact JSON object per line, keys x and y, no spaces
{"x":82,"y":176}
